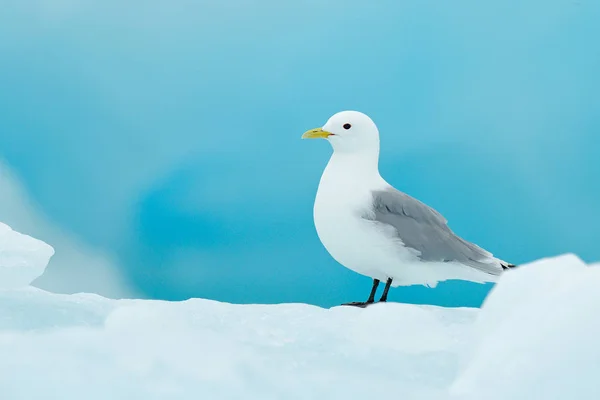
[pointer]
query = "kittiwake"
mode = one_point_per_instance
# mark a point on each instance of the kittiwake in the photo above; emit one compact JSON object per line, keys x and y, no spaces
{"x":373,"y":229}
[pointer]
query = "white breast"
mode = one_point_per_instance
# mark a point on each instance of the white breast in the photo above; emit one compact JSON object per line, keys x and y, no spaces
{"x":343,"y":198}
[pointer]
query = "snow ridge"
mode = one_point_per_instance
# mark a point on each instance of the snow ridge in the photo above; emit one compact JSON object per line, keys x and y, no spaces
{"x":534,"y":338}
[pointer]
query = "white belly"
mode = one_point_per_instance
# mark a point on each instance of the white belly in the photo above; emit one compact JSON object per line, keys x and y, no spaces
{"x":346,"y":241}
{"x":357,"y":243}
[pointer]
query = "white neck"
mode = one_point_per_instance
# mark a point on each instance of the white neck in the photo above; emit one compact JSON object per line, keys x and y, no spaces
{"x":352,"y":169}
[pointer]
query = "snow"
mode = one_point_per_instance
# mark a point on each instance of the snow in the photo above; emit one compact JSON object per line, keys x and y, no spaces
{"x":22,"y":258}
{"x":75,"y":345}
{"x":537,"y":335}
{"x":534,"y":338}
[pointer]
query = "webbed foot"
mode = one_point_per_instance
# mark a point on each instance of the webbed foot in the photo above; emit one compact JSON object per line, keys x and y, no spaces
{"x":361,"y":304}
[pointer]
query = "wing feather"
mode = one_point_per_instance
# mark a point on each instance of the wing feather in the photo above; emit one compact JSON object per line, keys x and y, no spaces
{"x":422,"y":228}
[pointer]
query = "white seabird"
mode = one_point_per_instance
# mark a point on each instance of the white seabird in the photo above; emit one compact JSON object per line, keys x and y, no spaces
{"x":375,"y":230}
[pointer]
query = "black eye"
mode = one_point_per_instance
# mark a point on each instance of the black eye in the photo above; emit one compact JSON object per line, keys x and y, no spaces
{"x":347,"y":126}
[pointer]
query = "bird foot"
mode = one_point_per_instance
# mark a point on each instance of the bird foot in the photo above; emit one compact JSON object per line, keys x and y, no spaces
{"x":361,"y":304}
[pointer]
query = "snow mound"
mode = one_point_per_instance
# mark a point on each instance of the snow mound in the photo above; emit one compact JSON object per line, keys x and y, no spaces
{"x":535,"y":338}
{"x":22,"y":258}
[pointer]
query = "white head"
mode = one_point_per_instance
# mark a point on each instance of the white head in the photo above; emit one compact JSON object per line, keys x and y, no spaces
{"x":348,"y":132}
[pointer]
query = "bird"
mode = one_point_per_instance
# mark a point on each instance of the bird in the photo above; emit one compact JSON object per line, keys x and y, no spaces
{"x":375,"y":230}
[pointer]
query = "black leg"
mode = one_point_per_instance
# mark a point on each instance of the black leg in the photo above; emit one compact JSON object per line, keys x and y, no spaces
{"x":371,"y":299}
{"x":373,"y":291}
{"x":386,"y":290}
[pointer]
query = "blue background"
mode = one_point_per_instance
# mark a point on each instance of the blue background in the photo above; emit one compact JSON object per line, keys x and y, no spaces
{"x":167,"y":134}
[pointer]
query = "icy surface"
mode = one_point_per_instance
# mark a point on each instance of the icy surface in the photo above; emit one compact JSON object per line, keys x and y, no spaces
{"x":84,"y":346}
{"x":535,"y":338}
{"x":22,"y":258}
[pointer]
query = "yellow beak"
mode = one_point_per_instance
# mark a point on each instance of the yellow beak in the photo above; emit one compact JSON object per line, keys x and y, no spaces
{"x":317,"y":133}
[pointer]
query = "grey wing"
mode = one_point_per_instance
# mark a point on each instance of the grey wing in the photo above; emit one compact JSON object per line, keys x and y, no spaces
{"x":422,"y":228}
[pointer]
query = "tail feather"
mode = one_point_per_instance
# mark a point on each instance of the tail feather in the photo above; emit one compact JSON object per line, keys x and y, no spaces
{"x":506,"y":265}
